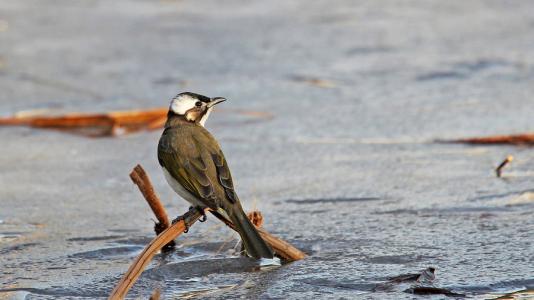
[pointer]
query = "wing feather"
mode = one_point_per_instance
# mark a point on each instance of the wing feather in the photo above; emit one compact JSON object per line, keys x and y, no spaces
{"x":198,"y":164}
{"x":184,"y":162}
{"x":224,"y":176}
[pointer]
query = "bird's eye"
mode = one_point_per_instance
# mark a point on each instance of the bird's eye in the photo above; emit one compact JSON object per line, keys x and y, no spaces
{"x":198,"y":103}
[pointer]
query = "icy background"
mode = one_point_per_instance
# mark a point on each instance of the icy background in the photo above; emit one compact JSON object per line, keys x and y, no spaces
{"x":345,"y":169}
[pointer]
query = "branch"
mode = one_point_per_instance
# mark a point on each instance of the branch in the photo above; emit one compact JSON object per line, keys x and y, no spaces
{"x":141,"y":179}
{"x":526,"y":139}
{"x":94,"y":125}
{"x":167,"y":235}
{"x":507,"y":160}
{"x":135,"y":270}
{"x":281,"y":247}
{"x":114,"y":123}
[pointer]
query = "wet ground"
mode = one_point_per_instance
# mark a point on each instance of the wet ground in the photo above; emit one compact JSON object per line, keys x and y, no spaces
{"x":345,"y":169}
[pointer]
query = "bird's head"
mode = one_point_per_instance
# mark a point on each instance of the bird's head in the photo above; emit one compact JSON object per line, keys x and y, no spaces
{"x":193,"y":107}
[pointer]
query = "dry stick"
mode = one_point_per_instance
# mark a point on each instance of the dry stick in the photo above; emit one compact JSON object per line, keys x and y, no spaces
{"x":281,"y":247}
{"x":95,"y":125}
{"x":507,"y":160}
{"x":139,"y":176}
{"x":155,"y":295}
{"x":141,"y":179}
{"x":514,"y":139}
{"x":135,"y":270}
{"x":111,"y":123}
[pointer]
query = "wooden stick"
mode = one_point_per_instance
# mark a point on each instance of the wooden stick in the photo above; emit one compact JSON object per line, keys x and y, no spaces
{"x":517,"y":139}
{"x":507,"y":160}
{"x":139,"y":176}
{"x":155,"y":295}
{"x":281,"y":247}
{"x":112,"y":123}
{"x":141,"y":179}
{"x":135,"y":270}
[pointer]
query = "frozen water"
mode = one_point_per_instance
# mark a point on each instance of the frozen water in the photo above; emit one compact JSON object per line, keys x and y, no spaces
{"x":345,"y":169}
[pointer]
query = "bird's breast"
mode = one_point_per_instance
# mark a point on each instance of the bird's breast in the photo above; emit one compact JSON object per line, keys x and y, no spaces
{"x":180,"y":190}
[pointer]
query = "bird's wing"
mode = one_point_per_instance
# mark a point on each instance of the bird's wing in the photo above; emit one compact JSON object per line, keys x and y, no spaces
{"x":220,"y":174}
{"x":199,"y":166}
{"x":223,"y":174}
{"x":184,"y":161}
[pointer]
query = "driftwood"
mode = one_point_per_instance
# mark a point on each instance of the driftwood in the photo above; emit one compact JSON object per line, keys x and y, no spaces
{"x":114,"y":123}
{"x":155,"y":295}
{"x":140,"y":178}
{"x":168,"y":234}
{"x":506,"y":161}
{"x":526,"y":139}
{"x":135,"y":270}
{"x":95,"y":125}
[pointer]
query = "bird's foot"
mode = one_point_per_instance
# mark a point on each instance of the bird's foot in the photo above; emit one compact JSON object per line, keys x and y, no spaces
{"x":181,"y":218}
{"x":203,"y":213}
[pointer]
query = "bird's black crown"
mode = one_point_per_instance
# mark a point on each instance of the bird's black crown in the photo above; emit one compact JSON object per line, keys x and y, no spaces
{"x":194,"y":95}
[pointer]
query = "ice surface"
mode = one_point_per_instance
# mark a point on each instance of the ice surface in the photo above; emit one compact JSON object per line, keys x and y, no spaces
{"x":344,"y":170}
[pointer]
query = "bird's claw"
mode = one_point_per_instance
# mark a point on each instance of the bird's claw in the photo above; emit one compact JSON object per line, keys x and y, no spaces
{"x":181,"y":218}
{"x":201,"y":211}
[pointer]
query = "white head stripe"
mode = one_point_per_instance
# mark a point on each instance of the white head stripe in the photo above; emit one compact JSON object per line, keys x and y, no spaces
{"x":182,"y":103}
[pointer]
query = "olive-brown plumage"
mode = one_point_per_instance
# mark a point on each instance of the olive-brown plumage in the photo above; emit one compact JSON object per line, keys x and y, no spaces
{"x":196,"y":168}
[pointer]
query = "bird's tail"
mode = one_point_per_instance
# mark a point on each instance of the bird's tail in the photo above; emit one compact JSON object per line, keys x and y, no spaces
{"x":253,"y":242}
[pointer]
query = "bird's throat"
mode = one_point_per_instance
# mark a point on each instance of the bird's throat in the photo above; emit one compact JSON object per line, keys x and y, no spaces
{"x":174,"y":120}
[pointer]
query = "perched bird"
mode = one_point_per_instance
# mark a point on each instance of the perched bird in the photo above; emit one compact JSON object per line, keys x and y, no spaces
{"x":196,"y":169}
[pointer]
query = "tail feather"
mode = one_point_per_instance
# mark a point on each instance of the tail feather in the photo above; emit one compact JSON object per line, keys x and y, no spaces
{"x":253,"y":242}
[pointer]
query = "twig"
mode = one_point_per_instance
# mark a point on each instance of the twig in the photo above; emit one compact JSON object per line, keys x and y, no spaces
{"x":155,"y":295}
{"x":506,"y":161}
{"x":281,"y":248}
{"x":95,"y":125}
{"x":135,"y":270}
{"x":141,"y":179}
{"x":516,"y":139}
{"x":256,"y":218}
{"x":113,"y":123}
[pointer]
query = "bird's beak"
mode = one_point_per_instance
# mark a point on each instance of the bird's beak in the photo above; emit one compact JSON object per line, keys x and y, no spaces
{"x":215,"y":101}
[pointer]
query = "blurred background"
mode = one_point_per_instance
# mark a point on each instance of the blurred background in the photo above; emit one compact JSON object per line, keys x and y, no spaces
{"x":328,"y":128}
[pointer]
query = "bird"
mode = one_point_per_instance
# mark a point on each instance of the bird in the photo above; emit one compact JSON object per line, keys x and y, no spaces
{"x":196,"y":169}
